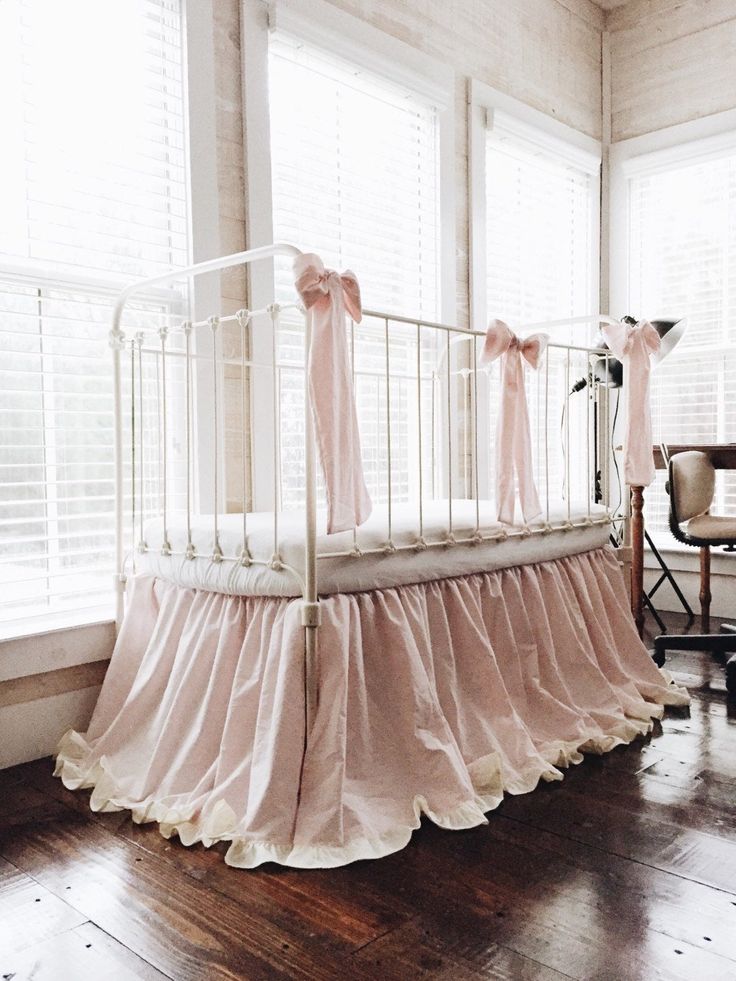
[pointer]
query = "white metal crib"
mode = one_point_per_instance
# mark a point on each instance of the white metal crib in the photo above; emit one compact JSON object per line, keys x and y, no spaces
{"x":454,"y":433}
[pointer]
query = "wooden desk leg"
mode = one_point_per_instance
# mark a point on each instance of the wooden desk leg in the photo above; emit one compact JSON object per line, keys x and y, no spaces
{"x":705,"y":596}
{"x":637,"y":560}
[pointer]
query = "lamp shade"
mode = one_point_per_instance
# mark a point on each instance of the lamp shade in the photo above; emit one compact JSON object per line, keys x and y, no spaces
{"x":610,"y":371}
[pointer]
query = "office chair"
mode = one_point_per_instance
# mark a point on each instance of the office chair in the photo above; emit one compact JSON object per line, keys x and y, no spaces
{"x":691,"y":486}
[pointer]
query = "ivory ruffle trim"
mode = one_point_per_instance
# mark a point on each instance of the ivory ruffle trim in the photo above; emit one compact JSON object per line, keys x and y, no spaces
{"x":221,"y":822}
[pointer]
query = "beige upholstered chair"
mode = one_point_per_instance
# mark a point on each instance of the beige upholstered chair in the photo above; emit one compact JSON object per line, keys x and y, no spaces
{"x":691,"y":485}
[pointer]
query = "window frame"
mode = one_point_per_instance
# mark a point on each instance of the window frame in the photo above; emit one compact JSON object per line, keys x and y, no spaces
{"x":321,"y":24}
{"x":697,"y":140}
{"x":485,"y":102}
{"x":203,"y":241}
{"x":546,"y":132}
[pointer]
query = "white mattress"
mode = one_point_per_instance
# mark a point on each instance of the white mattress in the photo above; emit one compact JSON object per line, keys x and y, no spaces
{"x":341,"y":573}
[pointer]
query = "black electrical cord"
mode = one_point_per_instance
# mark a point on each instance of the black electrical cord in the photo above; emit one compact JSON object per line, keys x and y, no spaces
{"x":613,"y":453}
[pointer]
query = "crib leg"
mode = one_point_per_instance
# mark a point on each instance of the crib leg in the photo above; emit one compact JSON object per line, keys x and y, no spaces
{"x":310,"y":679}
{"x":311,"y":620}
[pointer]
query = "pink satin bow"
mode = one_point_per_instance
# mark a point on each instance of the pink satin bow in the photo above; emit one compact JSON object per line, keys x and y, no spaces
{"x":326,"y":295}
{"x":633,"y":346}
{"x":513,"y":435}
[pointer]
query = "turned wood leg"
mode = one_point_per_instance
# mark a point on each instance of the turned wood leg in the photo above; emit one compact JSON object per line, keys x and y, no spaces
{"x":637,"y":559}
{"x":705,"y":596}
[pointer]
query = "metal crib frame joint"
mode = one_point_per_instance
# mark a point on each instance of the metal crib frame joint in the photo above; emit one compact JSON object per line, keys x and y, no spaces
{"x":311,"y":614}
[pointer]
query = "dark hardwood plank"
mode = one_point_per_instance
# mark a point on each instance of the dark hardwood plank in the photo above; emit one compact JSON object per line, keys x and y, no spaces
{"x":40,"y":775}
{"x":666,"y":789}
{"x":614,"y":828}
{"x":83,"y":954}
{"x":415,"y":951}
{"x":170,"y":920}
{"x":624,"y":894}
{"x":488,"y":892}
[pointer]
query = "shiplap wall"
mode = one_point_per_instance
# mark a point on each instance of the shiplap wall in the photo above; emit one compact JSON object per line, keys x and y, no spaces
{"x":671,"y":61}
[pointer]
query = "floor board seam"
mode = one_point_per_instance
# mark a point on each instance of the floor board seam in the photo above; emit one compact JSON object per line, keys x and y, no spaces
{"x":134,"y":953}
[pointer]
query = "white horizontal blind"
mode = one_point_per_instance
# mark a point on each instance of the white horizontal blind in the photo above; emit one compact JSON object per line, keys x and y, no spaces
{"x":355,"y":175}
{"x":92,"y":191}
{"x":541,"y":264}
{"x":540,"y":226}
{"x":682,"y":263}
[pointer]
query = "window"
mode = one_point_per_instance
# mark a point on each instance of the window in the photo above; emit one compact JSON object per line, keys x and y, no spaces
{"x":355,"y":174}
{"x":92,"y":193}
{"x":682,"y":263}
{"x":536,"y":201}
{"x":355,"y":166}
{"x":541,"y":227}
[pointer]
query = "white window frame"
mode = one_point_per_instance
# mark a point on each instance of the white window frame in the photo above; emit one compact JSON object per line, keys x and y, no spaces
{"x":323,"y":25}
{"x":697,"y":140}
{"x":563,"y":141}
{"x":203,"y":243}
{"x":484,"y":104}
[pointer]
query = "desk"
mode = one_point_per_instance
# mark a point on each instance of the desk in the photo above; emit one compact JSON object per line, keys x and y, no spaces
{"x":722,"y":455}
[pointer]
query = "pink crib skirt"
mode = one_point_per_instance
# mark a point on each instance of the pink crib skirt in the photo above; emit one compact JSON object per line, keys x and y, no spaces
{"x":436,"y":699}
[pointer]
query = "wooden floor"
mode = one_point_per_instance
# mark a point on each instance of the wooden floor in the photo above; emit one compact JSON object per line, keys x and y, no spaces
{"x":625,"y":870}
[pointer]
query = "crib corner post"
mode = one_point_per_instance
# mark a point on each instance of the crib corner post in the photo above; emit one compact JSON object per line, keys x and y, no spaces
{"x":311,"y":619}
{"x":310,"y":606}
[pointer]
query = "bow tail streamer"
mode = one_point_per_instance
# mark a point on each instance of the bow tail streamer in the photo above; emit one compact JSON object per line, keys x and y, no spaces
{"x":332,"y":398}
{"x":513,"y":445}
{"x":513,"y":432}
{"x":634,"y":345}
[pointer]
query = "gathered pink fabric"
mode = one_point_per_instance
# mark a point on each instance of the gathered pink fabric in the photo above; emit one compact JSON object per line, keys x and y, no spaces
{"x":326,"y":295}
{"x":436,"y":698}
{"x":633,"y":346}
{"x":513,"y":436}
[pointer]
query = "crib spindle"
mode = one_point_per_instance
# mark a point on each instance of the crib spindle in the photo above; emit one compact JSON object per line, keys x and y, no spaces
{"x":274,"y":311}
{"x":449,"y":438}
{"x":187,"y":330}
{"x":243,"y":319}
{"x":132,"y":442}
{"x":546,"y":429}
{"x":356,"y":549}
{"x":474,"y":462}
{"x":142,"y":430}
{"x":388,"y":434}
{"x":165,"y":544}
{"x":591,"y":477}
{"x":419,"y":434}
{"x":568,"y":489}
{"x":214,"y":324}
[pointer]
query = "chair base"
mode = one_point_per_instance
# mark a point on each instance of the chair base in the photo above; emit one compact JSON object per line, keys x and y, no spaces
{"x":722,"y":643}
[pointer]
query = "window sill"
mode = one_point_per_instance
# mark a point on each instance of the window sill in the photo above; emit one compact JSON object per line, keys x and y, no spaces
{"x":40,"y":626}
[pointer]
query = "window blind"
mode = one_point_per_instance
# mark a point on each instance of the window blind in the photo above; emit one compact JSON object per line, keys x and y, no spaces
{"x":682,"y":263}
{"x":541,"y":262}
{"x":541,"y":251}
{"x":93,"y":193}
{"x":355,"y":162}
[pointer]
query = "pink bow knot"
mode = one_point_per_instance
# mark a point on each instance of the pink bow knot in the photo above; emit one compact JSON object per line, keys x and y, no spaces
{"x":500,"y":339}
{"x":319,"y":286}
{"x":633,"y":345}
{"x":326,"y":295}
{"x":513,"y":434}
